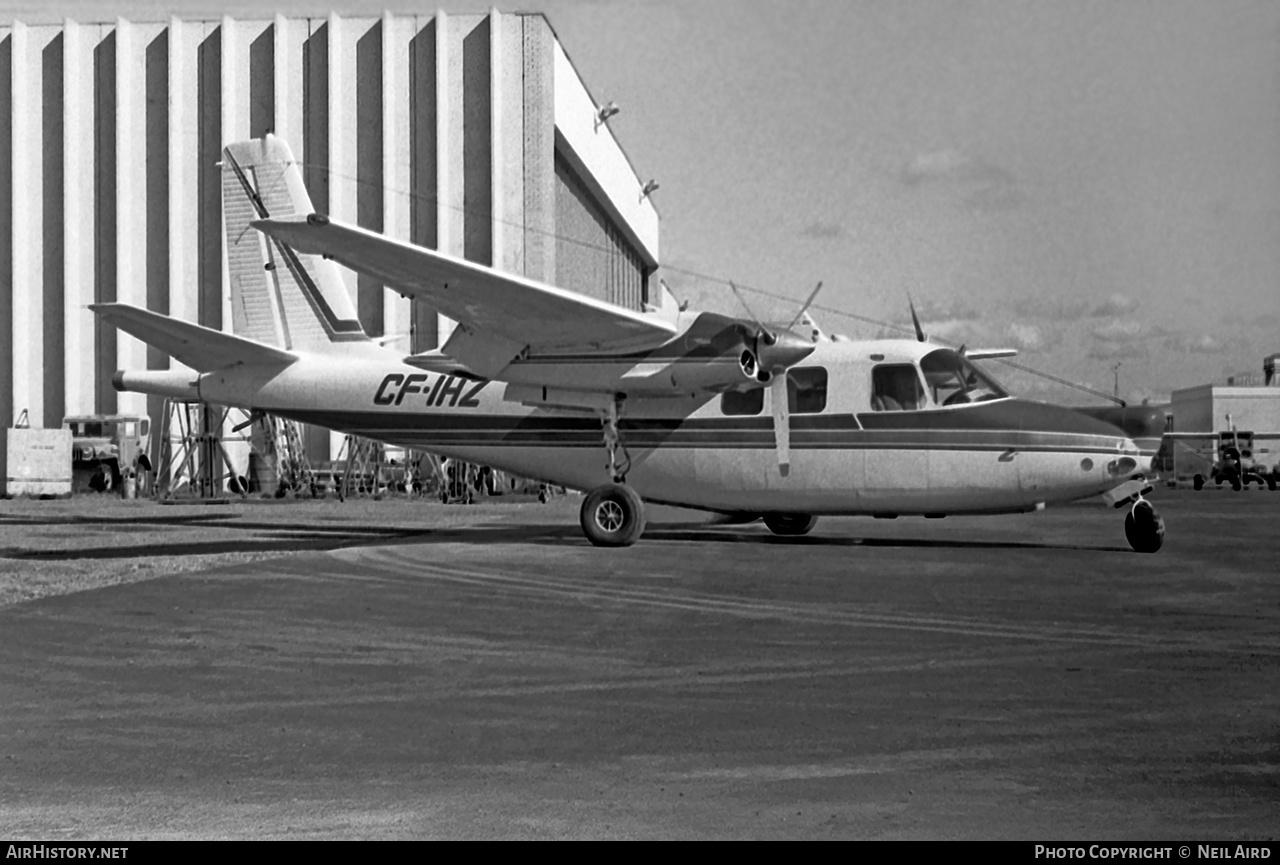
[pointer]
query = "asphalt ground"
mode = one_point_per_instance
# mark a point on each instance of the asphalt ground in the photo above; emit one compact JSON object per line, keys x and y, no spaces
{"x":409,"y":670}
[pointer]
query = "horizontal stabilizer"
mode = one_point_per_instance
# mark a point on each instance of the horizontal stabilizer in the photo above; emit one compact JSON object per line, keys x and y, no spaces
{"x":201,"y":348}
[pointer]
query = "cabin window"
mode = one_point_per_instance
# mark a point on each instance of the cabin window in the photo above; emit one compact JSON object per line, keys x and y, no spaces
{"x":742,"y":402}
{"x":807,"y":390}
{"x":896,"y":387}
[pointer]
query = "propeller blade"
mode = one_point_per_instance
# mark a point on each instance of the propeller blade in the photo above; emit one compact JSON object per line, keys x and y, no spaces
{"x":781,"y":422}
{"x":763,"y":332}
{"x":916,"y":321}
{"x":805,"y":308}
{"x":742,"y":300}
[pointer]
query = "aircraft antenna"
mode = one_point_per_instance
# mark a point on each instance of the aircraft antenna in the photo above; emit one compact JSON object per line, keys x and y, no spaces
{"x":915,"y":320}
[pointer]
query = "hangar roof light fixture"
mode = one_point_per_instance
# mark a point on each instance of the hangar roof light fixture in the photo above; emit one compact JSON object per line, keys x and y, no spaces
{"x":605,"y":112}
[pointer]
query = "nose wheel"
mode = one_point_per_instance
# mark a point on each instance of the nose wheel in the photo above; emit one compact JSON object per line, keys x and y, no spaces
{"x":1143,"y":526}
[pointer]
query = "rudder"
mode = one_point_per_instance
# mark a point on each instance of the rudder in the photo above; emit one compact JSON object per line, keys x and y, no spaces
{"x":278,"y":296}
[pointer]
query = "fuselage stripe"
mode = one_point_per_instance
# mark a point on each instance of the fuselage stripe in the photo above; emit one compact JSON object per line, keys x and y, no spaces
{"x":456,"y":429}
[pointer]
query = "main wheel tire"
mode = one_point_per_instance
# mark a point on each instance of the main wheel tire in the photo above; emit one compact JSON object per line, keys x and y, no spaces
{"x":1144,"y":528}
{"x":612,"y":516}
{"x":790,"y":525}
{"x":1197,"y":483}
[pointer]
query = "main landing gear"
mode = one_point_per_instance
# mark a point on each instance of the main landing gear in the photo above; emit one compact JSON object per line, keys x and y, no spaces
{"x":612,"y":515}
{"x":790,"y":525}
{"x":1143,"y":526}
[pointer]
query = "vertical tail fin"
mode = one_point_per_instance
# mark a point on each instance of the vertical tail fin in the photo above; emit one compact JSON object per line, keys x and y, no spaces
{"x":278,"y":296}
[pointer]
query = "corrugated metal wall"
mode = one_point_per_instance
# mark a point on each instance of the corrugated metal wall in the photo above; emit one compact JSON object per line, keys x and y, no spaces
{"x":437,"y":128}
{"x":592,"y":255}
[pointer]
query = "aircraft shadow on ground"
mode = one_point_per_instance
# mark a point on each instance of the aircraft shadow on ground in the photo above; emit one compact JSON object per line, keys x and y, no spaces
{"x":306,"y":537}
{"x":123,"y":521}
{"x":209,"y":520}
{"x":298,"y":538}
{"x":736,"y":534}
{"x":285,"y":542}
{"x":270,"y":537}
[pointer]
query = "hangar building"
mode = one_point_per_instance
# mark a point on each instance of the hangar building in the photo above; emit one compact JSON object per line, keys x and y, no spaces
{"x":1247,"y":402}
{"x":472,"y":134}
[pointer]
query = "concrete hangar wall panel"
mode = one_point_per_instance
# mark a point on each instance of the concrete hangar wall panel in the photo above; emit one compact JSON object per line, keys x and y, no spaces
{"x":472,"y":134}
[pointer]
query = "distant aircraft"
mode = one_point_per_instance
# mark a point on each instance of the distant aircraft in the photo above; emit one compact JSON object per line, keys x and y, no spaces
{"x":673,"y":406}
{"x":1239,"y":458}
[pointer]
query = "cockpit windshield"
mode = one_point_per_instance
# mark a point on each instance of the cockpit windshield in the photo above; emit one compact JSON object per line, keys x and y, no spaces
{"x":954,"y":380}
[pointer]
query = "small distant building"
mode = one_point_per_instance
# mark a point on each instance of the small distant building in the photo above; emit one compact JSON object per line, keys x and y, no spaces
{"x":1214,"y":407}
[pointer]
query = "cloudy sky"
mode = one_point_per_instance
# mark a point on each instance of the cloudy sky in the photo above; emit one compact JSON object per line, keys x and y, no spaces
{"x":1092,"y":182}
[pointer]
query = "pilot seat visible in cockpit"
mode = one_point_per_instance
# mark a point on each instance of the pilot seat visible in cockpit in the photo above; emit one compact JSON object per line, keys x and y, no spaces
{"x":896,"y":387}
{"x":951,"y":379}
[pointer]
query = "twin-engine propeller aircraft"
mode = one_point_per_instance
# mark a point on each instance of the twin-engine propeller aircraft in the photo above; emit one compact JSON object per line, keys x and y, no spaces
{"x":668,"y":405}
{"x":1234,"y":457}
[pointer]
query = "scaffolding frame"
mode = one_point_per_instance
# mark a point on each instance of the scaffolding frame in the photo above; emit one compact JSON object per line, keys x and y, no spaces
{"x":195,"y":461}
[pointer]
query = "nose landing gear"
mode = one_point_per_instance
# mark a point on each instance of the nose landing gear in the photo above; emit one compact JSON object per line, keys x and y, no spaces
{"x":1143,"y":526}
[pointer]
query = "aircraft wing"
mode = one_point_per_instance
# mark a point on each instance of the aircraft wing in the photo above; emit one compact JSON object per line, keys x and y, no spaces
{"x":502,"y":315}
{"x":1191,"y":436}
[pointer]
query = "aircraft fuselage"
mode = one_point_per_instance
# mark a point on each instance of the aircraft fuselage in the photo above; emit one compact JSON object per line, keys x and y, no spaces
{"x":718,"y":451}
